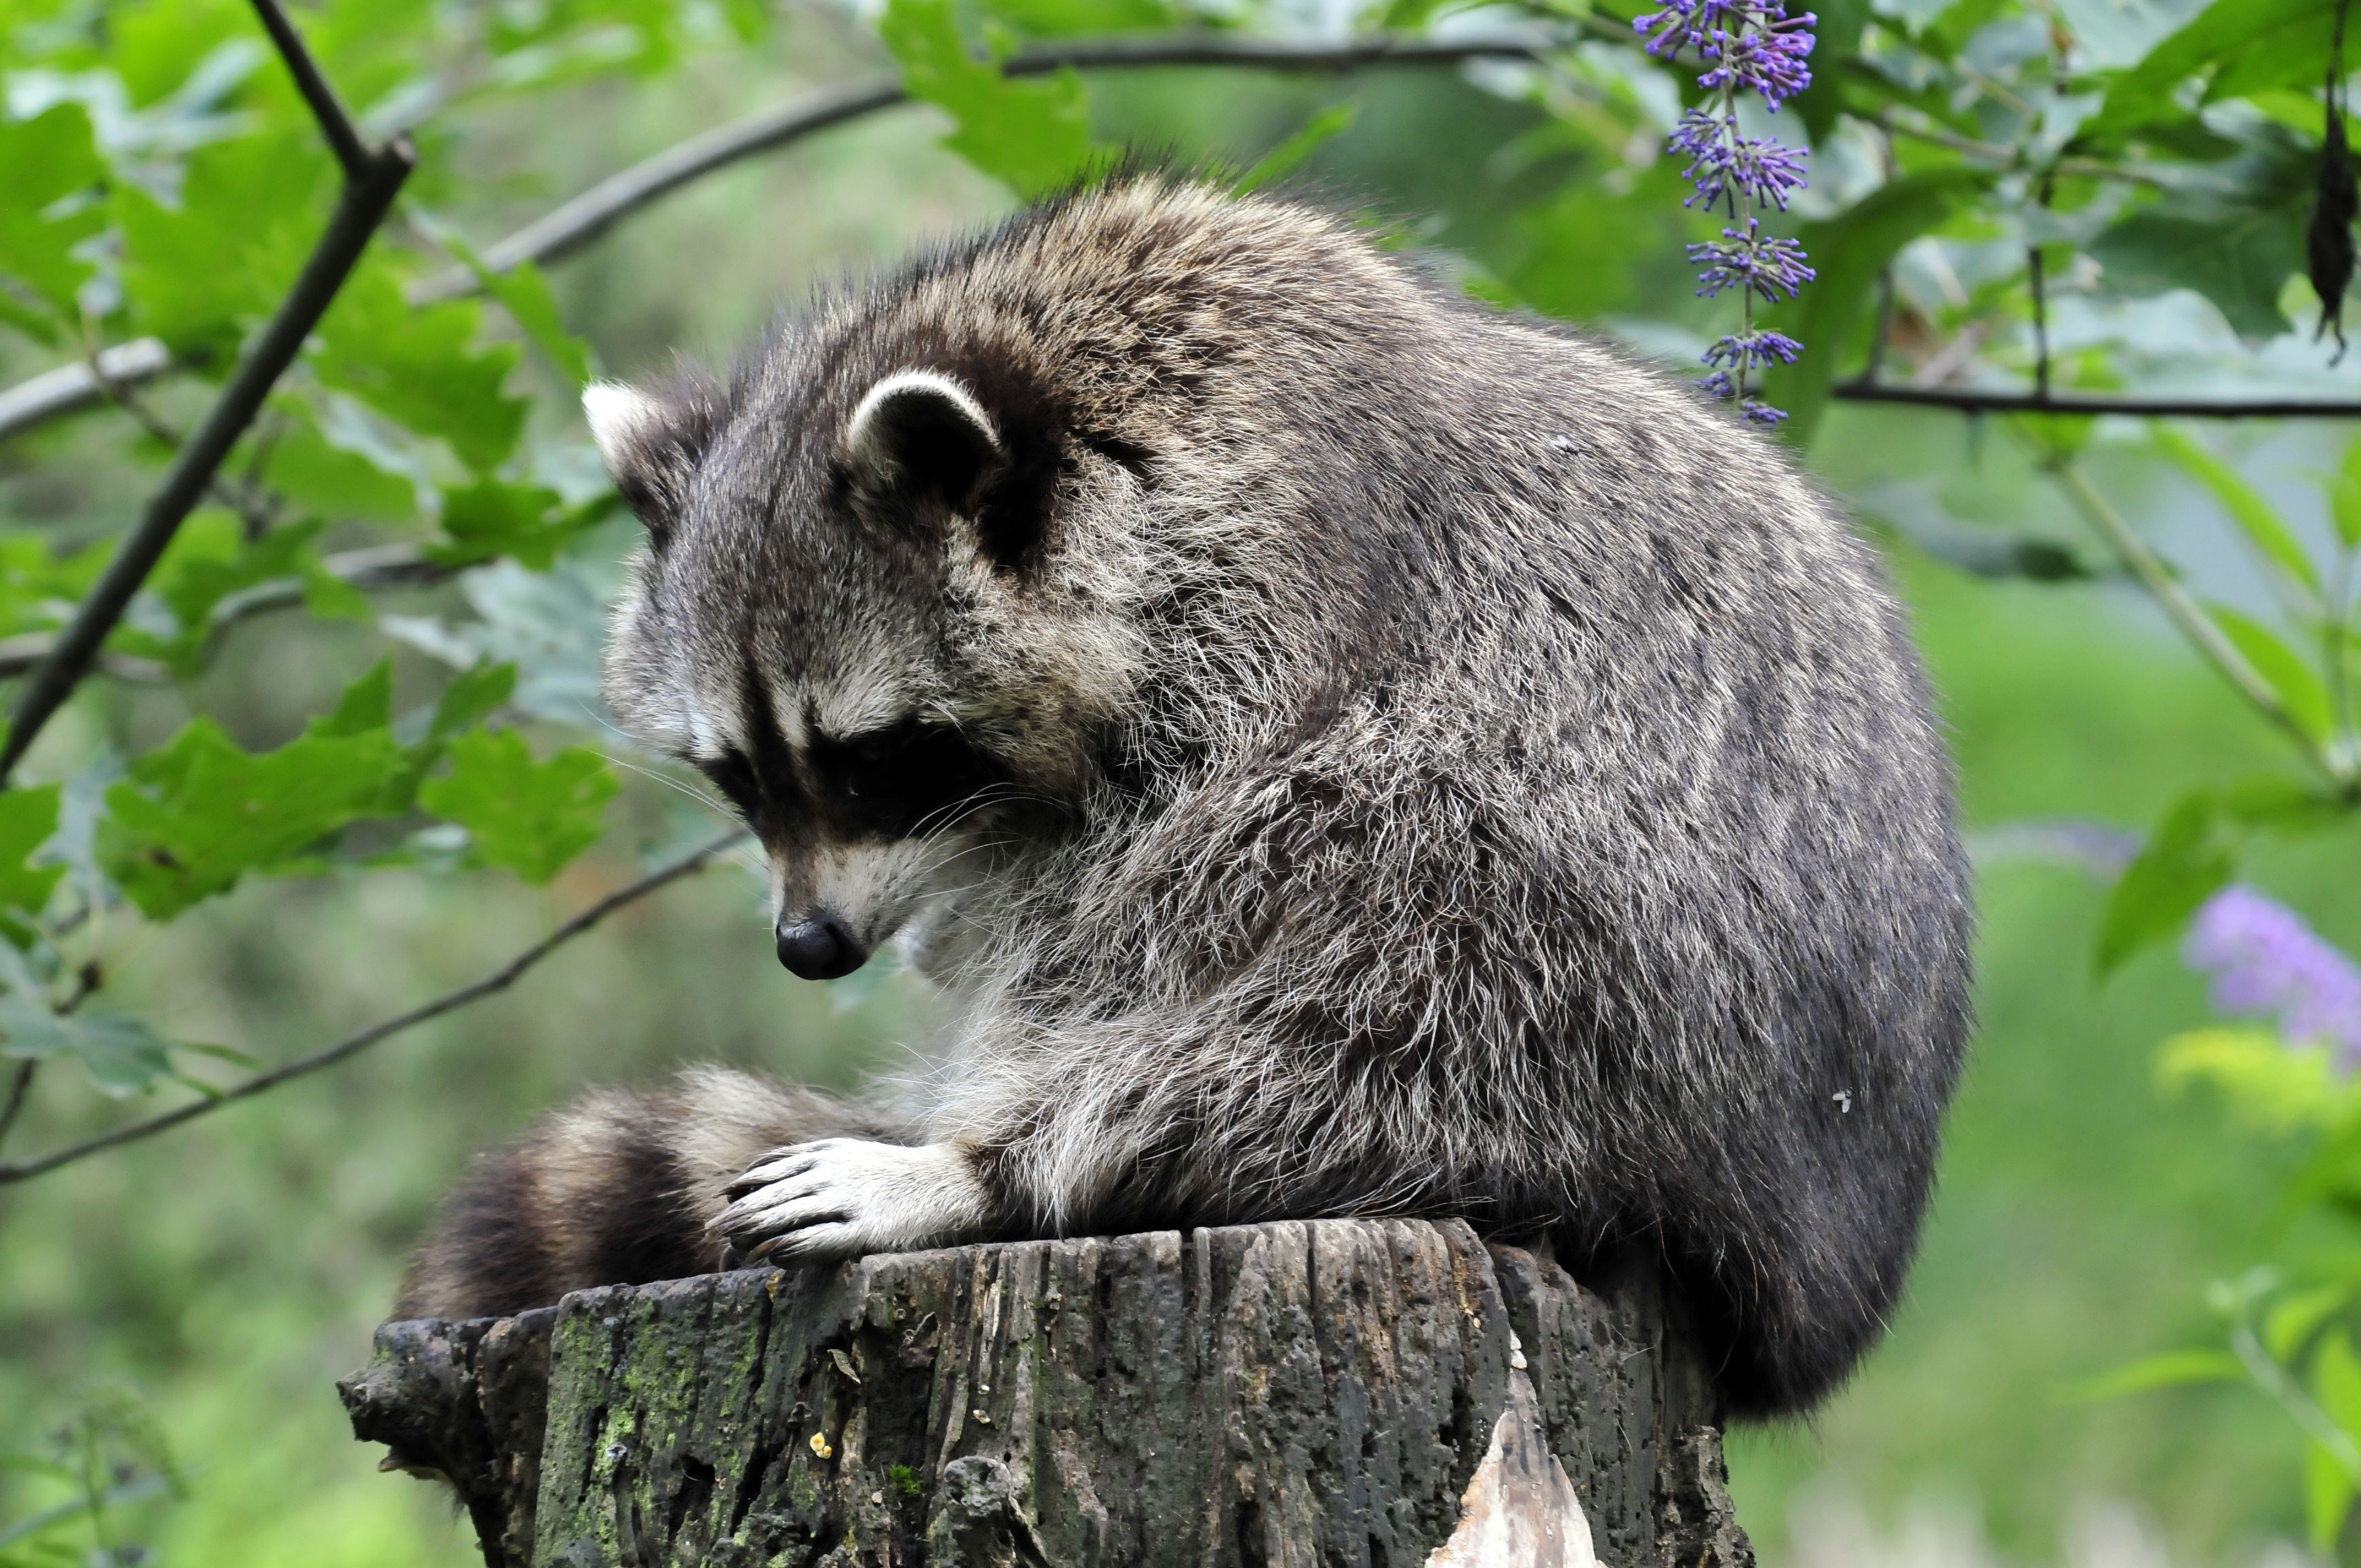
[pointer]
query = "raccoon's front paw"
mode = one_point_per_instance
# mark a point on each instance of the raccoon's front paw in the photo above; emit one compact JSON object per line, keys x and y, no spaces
{"x":845,"y":1197}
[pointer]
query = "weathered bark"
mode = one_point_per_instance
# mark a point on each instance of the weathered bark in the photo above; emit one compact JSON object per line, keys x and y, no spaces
{"x":1340,"y":1391}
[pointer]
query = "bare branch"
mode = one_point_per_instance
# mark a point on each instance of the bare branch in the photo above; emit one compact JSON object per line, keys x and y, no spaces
{"x":372,"y":178}
{"x":20,"y":1089}
{"x":70,"y":388}
{"x":24,"y":654}
{"x":1967,"y":399}
{"x":568,"y":227}
{"x":335,"y":126}
{"x":499,"y":980}
{"x":379,"y":566}
{"x":587,"y":216}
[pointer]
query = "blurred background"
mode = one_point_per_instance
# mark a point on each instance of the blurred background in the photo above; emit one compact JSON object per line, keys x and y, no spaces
{"x":197,"y":1294}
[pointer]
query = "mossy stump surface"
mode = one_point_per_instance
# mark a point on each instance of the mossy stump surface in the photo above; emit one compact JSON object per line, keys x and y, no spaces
{"x":1380,"y":1393}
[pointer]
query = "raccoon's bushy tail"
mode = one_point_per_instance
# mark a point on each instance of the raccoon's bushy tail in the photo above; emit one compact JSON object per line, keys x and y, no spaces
{"x":616,"y":1189}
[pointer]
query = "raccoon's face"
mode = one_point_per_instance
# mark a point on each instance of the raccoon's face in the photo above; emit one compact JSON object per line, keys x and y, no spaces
{"x":846,"y":619}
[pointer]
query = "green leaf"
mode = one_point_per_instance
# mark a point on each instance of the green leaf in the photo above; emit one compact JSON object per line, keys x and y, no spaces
{"x":1063,"y":18}
{"x":2272,"y":1085}
{"x":2254,"y":516}
{"x":2237,"y":245}
{"x":39,"y":588}
{"x":417,"y":366}
{"x":2183,"y":864}
{"x":315,"y":473}
{"x":2174,"y":1369}
{"x":250,"y":210}
{"x":476,"y":693}
{"x":1849,"y":252}
{"x":199,"y":813}
{"x":2240,"y":46}
{"x":524,"y":522}
{"x":209,"y":560}
{"x":527,"y":817}
{"x":1836,"y":34}
{"x":1288,"y":154}
{"x":1579,"y":253}
{"x":2336,"y":1381}
{"x":2289,"y":1324}
{"x":1033,"y":136}
{"x":367,"y":706}
{"x":2300,"y":689}
{"x":2277,"y":804}
{"x":331,"y":598}
{"x":1953,"y":29}
{"x":2344,"y":496}
{"x":524,"y":293}
{"x":45,"y":163}
{"x":121,"y":1054}
{"x":749,"y":20}
{"x":27,"y":818}
{"x":2327,"y":1496}
{"x":2337,"y":1390}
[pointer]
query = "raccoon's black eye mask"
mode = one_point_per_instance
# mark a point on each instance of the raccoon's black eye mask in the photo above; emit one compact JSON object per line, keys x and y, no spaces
{"x":908,"y":778}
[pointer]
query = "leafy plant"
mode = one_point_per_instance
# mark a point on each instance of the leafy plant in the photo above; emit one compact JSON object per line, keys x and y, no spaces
{"x":2290,"y":1333}
{"x":234,"y":245}
{"x":103,"y":1461}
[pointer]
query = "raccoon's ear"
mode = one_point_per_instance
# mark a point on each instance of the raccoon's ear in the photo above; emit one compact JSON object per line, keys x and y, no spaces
{"x":652,"y":442}
{"x":920,"y":434}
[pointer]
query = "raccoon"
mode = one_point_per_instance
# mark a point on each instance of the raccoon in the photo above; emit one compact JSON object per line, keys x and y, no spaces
{"x":1341,"y":750}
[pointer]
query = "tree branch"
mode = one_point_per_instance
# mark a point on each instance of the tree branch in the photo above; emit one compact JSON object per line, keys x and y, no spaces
{"x":568,"y":227}
{"x":20,"y":1089}
{"x":70,"y":388}
{"x":1967,"y":400}
{"x":379,"y":566}
{"x":2190,"y":616}
{"x":357,"y":158}
{"x":372,"y":178}
{"x":499,"y":980}
{"x":583,"y":219}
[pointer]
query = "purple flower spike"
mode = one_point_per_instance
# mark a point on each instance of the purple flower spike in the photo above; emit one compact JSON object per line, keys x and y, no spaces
{"x":1747,"y":46}
{"x":1768,"y":59}
{"x":2264,"y":960}
{"x":1751,"y":260}
{"x":1722,"y":168}
{"x":1753,"y":350}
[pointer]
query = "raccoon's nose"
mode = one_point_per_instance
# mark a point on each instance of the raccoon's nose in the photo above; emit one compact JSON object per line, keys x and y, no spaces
{"x":819,"y":945}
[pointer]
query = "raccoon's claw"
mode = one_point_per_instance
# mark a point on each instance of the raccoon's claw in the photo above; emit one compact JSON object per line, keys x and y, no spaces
{"x":845,"y":1197}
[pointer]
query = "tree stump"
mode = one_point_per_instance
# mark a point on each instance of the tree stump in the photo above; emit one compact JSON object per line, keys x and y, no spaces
{"x":1385,"y":1393}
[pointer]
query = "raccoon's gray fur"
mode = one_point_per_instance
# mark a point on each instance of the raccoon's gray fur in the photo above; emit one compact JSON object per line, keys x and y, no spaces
{"x":1341,"y":749}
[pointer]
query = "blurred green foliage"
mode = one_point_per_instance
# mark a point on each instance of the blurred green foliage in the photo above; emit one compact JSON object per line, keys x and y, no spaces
{"x":345,"y":751}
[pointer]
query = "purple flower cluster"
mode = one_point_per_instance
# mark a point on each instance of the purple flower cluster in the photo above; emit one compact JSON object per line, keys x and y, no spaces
{"x":1747,"y":46}
{"x":2264,"y":960}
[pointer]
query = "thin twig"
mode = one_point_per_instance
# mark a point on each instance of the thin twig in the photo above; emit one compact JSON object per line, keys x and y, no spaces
{"x":357,"y":158}
{"x":127,"y":397}
{"x":2188,"y":615}
{"x":376,"y":567}
{"x":1966,"y":400}
{"x":70,"y":388}
{"x":372,"y":179}
{"x":497,"y":980}
{"x":20,"y":1089}
{"x":2035,"y":273}
{"x":587,"y":216}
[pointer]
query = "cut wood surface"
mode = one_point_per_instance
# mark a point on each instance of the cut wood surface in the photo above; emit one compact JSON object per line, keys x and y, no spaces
{"x":1378,"y":1392}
